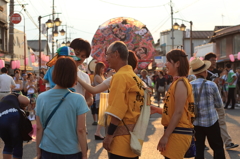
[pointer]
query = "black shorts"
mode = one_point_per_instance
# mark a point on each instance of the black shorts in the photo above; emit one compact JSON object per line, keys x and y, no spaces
{"x":95,"y":107}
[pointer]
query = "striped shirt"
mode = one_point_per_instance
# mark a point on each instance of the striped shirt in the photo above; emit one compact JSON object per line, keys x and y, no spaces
{"x":209,"y":100}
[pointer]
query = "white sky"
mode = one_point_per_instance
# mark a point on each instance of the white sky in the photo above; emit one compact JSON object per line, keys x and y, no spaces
{"x":86,"y":15}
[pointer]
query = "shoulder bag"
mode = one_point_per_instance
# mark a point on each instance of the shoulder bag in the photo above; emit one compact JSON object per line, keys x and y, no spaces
{"x":191,"y":152}
{"x":139,"y":130}
{"x":54,"y":110}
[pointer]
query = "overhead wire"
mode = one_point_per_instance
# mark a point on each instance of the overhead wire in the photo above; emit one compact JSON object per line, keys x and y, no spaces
{"x":156,"y":6}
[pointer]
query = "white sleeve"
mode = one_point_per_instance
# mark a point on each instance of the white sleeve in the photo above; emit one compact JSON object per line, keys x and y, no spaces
{"x":107,"y":81}
{"x":13,"y":82}
{"x":88,"y":81}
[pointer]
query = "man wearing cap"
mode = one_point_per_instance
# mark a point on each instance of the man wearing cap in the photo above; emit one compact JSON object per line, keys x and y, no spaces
{"x":207,"y":98}
{"x":213,"y":75}
{"x":6,"y":83}
{"x":61,"y":52}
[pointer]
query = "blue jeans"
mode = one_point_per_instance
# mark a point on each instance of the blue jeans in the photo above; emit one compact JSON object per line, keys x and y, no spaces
{"x":10,"y":134}
{"x":49,"y":155}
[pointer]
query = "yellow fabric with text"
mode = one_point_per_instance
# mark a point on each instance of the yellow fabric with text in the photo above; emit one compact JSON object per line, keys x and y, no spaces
{"x":178,"y":144}
{"x":125,"y":101}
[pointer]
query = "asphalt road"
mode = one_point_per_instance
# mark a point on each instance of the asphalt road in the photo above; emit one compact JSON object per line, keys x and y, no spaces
{"x":154,"y":132}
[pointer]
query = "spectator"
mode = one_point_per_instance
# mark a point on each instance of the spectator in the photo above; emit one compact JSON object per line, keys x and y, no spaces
{"x":160,"y":82}
{"x":41,"y":84}
{"x":206,"y":122}
{"x":6,"y":83}
{"x":10,"y":125}
{"x":145,"y":78}
{"x":18,"y":82}
{"x":52,"y":141}
{"x":232,"y":81}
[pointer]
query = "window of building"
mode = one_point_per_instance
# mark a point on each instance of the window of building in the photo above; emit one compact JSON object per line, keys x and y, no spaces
{"x":223,"y":48}
{"x":236,"y":44}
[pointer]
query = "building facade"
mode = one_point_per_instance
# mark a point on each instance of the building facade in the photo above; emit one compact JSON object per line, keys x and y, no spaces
{"x":227,"y":42}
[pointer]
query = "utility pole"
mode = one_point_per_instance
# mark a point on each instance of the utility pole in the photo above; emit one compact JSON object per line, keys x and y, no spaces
{"x":11,"y":29}
{"x":53,"y":12}
{"x":172,"y":24}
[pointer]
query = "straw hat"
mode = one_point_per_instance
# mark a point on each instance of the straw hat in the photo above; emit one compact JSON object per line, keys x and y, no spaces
{"x":198,"y":66}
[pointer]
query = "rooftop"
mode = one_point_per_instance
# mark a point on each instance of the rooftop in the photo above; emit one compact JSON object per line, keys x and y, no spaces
{"x":199,"y":34}
{"x":35,"y":45}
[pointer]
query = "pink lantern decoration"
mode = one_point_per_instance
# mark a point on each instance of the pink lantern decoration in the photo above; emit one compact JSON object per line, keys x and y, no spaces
{"x":17,"y":64}
{"x":43,"y":57}
{"x":192,"y":58}
{"x":238,"y":55}
{"x":47,"y":58}
{"x":26,"y":61}
{"x":32,"y":58}
{"x":13,"y":65}
{"x":201,"y":58}
{"x":1,"y":64}
{"x":231,"y":57}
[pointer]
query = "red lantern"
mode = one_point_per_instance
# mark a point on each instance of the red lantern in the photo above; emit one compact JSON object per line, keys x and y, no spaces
{"x":231,"y":57}
{"x":238,"y":55}
{"x":32,"y":58}
{"x":26,"y":61}
{"x":13,"y":65}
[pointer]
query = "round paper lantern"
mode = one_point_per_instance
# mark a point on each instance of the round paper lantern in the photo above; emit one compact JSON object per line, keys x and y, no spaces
{"x":17,"y":64}
{"x":238,"y":55}
{"x":231,"y":57}
{"x":1,"y":64}
{"x":201,"y":58}
{"x":13,"y":65}
{"x":43,"y":57}
{"x":47,"y":58}
{"x":26,"y":61}
{"x":32,"y":58}
{"x":192,"y":58}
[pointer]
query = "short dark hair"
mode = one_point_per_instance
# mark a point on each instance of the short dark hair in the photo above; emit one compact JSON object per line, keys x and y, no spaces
{"x":29,"y":74}
{"x":16,"y":72}
{"x":228,"y":65}
{"x":161,"y":72}
{"x":121,"y":48}
{"x":132,"y":59}
{"x":81,"y":45}
{"x":210,"y":55}
{"x":65,"y":72}
{"x":98,"y":67}
{"x":179,"y":55}
{"x":4,"y":70}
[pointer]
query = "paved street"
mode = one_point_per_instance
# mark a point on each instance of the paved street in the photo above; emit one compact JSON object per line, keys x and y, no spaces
{"x":155,"y":130}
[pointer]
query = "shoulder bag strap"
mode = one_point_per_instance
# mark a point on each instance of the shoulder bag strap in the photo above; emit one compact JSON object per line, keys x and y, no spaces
{"x":198,"y":99}
{"x":54,"y":110}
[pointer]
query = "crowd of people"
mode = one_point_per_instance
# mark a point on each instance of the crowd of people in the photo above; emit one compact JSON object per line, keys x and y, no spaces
{"x":192,"y":95}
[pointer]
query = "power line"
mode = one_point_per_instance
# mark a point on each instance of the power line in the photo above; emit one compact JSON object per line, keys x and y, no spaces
{"x":162,"y":25}
{"x":82,"y":31}
{"x":186,"y":6}
{"x":134,"y":6}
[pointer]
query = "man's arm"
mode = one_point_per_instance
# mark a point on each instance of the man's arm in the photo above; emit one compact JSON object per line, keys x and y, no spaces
{"x":89,"y":98}
{"x":111,"y":129}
